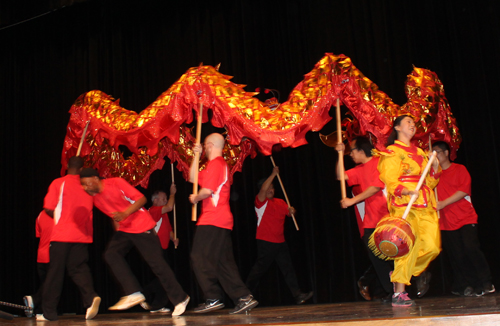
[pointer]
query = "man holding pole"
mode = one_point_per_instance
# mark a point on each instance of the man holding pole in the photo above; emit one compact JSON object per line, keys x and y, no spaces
{"x":271,"y":213}
{"x":212,"y":254}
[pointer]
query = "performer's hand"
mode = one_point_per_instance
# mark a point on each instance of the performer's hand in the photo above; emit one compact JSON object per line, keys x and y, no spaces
{"x":173,"y":189}
{"x":198,"y":148}
{"x":340,"y":147}
{"x":440,"y":206}
{"x":276,"y":170}
{"x":193,"y":199}
{"x":176,"y":242}
{"x":119,"y":216}
{"x":435,"y":165}
{"x":347,"y":202}
{"x":291,"y":210}
{"x":412,"y":193}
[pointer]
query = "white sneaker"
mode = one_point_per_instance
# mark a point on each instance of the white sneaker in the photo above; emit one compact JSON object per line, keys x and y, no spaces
{"x":93,"y":309}
{"x":181,"y":307}
{"x":163,"y":310}
{"x":28,"y":302}
{"x":40,"y":317}
{"x":128,"y":301}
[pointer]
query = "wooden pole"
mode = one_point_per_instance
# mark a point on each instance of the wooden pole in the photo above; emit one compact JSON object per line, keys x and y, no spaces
{"x":341,"y":154}
{"x":175,"y":215}
{"x":82,"y":139}
{"x":197,"y":161}
{"x":284,"y":192}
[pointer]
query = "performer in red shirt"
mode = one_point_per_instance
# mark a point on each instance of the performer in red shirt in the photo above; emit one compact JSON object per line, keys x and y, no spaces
{"x":271,"y":213}
{"x":156,"y":297}
{"x":369,"y":190}
{"x":71,"y":210}
{"x":458,"y":224}
{"x":134,"y":225}
{"x":43,"y":228}
{"x":212,"y":253}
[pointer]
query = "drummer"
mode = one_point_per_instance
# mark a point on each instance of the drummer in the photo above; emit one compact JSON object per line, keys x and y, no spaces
{"x":400,"y":169}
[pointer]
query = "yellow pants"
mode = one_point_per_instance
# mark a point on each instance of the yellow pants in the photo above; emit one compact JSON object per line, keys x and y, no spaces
{"x":427,"y":246}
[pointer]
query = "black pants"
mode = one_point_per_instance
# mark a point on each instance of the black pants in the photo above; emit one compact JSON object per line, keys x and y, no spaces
{"x":42,"y":269}
{"x":467,"y":261}
{"x":73,"y":257}
{"x":382,"y":267}
{"x":149,"y":247}
{"x":268,"y":252}
{"x":213,"y":263}
{"x":154,"y":292}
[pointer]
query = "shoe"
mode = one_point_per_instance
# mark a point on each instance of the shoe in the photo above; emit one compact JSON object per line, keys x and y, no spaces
{"x":386,"y":299}
{"x":364,"y":290}
{"x":163,"y":310}
{"x":244,"y":304}
{"x":423,"y":281}
{"x":28,"y":302}
{"x":402,"y":300}
{"x":128,"y":301}
{"x":209,"y":305}
{"x":93,"y":309}
{"x":488,"y":288}
{"x":181,"y":307}
{"x":303,"y":297}
{"x":145,"y":305}
{"x":40,"y":317}
{"x":468,"y":291}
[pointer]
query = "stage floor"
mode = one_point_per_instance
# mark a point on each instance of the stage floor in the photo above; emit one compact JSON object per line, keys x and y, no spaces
{"x":428,"y":311}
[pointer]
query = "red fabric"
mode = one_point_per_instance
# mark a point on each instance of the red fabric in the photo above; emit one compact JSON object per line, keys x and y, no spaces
{"x":366,"y":175}
{"x":454,"y":216}
{"x":215,"y":209}
{"x":72,"y":210}
{"x":359,"y":210}
{"x":44,"y":226}
{"x":116,"y":196}
{"x":163,"y":222}
{"x":273,"y":213}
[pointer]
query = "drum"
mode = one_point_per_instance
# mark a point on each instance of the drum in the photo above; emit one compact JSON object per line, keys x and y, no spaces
{"x":393,"y":238}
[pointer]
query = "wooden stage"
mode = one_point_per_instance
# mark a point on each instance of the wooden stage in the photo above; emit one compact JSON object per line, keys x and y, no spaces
{"x":446,"y":310}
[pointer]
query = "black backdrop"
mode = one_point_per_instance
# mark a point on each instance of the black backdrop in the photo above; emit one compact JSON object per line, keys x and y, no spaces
{"x":51,"y":52}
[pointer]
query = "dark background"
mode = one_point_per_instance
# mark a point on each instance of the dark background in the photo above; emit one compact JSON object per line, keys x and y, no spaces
{"x":53,"y":51}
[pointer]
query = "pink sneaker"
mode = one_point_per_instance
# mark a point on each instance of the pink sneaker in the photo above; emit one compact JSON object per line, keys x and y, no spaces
{"x":402,"y":300}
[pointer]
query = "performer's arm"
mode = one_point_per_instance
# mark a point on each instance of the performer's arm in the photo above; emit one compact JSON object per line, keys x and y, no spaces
{"x":192,"y":170}
{"x":340,"y":148}
{"x":390,"y":168}
{"x":202,"y":194}
{"x":169,"y":206}
{"x":265,"y":186}
{"x":450,"y":200}
{"x":370,"y":191}
{"x":120,"y":216}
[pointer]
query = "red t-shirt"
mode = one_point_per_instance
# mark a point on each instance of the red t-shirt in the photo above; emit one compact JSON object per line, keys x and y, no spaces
{"x":359,"y":210}
{"x":72,"y":210}
{"x":215,"y":209}
{"x":366,"y":175}
{"x":163,"y":227}
{"x":271,"y":214}
{"x":44,"y":226}
{"x":116,"y":196}
{"x":460,"y":213}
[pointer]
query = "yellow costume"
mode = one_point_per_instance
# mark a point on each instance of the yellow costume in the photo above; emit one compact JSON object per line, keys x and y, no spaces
{"x":401,"y":168}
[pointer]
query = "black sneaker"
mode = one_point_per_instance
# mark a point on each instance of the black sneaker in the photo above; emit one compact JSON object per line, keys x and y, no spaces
{"x":209,"y":305}
{"x":423,"y":281}
{"x":488,"y":288}
{"x":303,"y":297}
{"x":244,"y":304}
{"x":28,"y":302}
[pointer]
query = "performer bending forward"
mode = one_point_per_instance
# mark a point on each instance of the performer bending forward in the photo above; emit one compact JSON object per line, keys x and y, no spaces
{"x":212,"y":253}
{"x":400,"y":170}
{"x":134,"y":225}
